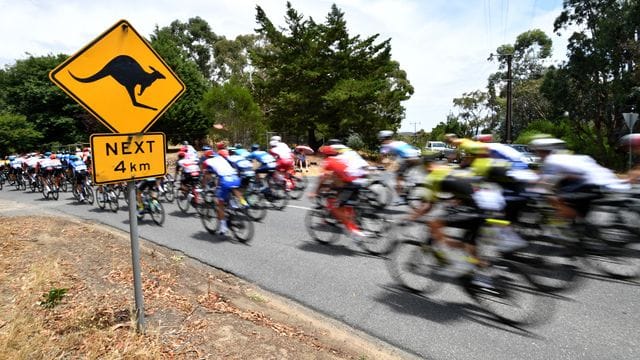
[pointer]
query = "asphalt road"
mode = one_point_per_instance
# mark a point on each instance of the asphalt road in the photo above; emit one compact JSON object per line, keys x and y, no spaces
{"x":599,"y":320}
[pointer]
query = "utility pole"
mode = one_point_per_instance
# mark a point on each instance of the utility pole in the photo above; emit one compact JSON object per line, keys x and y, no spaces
{"x":415,"y":133}
{"x":509,"y":97}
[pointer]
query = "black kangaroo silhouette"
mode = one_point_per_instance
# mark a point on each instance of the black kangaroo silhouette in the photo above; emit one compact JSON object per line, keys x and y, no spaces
{"x":126,"y":70}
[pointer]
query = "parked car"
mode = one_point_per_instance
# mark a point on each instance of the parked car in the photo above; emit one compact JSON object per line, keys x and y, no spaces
{"x":439,"y":147}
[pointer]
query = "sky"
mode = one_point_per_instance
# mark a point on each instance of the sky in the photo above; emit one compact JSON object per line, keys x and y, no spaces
{"x":443,"y":45}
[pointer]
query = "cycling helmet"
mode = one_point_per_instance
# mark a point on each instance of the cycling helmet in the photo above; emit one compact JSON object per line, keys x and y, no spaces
{"x":232,"y":150}
{"x":238,"y":146}
{"x":385,"y":135}
{"x":12,"y":157}
{"x":224,"y":153}
{"x":185,"y":143}
{"x":276,"y":138}
{"x":485,"y":138}
{"x":209,"y":153}
{"x":630,"y":141}
{"x":328,"y":150}
{"x":206,"y":147}
{"x":47,"y":154}
{"x":547,"y":144}
{"x":334,"y":142}
{"x":221,"y":145}
{"x":255,"y":147}
{"x":273,"y":143}
{"x":182,"y":155}
{"x":52,"y":156}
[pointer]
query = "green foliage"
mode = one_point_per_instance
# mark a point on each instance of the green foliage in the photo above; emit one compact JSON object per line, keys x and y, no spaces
{"x":185,"y":119}
{"x":233,"y":106}
{"x":53,"y":298}
{"x":315,"y":80}
{"x":17,"y":134}
{"x":25,"y":89}
{"x":355,"y":142}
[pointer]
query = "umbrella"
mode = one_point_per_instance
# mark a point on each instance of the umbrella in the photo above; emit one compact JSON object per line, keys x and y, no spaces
{"x":219,"y":126}
{"x":631,"y":140}
{"x":304,"y":149}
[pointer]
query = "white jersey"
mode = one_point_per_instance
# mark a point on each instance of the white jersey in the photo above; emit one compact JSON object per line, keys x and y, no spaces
{"x":219,"y":166}
{"x":32,"y":162}
{"x":585,"y":167}
{"x":282,"y":151}
{"x":189,"y":166}
{"x":356,"y":165}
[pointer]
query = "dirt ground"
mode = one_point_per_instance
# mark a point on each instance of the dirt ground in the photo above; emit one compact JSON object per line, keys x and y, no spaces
{"x":66,"y":292}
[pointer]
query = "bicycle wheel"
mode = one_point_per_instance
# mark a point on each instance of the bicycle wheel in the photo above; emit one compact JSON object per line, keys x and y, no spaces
{"x":412,"y":265}
{"x":88,"y":194}
{"x":169,"y":191}
{"x":101,"y":197}
{"x":299,"y":185}
{"x":379,"y":194}
{"x":240,"y":225}
{"x":182,"y":198}
{"x":114,"y":204}
{"x":415,"y":196}
{"x":45,"y":192}
{"x":210,"y":219}
{"x":55,"y":192}
{"x":64,"y":185}
{"x":277,"y":196}
{"x":257,"y":208}
{"x":156,"y":211}
{"x":512,"y":298}
{"x":322,"y":227}
{"x":376,"y":228}
{"x":619,"y":261}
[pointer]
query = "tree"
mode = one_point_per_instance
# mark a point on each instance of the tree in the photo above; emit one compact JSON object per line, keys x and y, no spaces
{"x":233,"y":106}
{"x":17,"y":134}
{"x":474,"y":111}
{"x":27,"y":90}
{"x":185,"y":119}
{"x":314,"y":79}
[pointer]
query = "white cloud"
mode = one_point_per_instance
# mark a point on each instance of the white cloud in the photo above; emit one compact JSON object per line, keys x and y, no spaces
{"x":443,"y":45}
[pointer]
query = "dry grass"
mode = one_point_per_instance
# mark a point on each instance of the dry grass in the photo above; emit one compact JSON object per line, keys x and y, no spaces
{"x":192,"y":311}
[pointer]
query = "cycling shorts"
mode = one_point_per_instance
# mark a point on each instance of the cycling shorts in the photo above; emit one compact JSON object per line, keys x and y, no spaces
{"x":284,"y":164}
{"x":225,"y":185}
{"x":266,"y":168}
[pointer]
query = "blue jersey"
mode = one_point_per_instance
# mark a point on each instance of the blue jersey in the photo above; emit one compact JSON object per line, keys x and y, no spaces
{"x":263,"y":157}
{"x":242,"y":152}
{"x":400,"y":149}
{"x":78,"y":166}
{"x":243,"y":165}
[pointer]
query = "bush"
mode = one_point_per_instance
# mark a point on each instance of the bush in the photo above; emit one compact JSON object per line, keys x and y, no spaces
{"x":355,"y":142}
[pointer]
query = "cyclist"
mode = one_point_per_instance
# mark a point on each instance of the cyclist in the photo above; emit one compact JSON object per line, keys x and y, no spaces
{"x":406,"y":156}
{"x":79,"y":171}
{"x":188,"y":169}
{"x":148,"y":183}
{"x":577,"y":179}
{"x":241,"y":151}
{"x":243,"y":166}
{"x":227,"y":181}
{"x":345,"y":171}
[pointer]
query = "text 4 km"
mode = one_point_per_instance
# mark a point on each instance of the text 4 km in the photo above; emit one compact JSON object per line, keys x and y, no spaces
{"x":133,"y":167}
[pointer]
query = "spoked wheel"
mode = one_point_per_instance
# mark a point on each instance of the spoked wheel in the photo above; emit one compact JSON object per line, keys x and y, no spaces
{"x":619,"y":261}
{"x":376,"y":228}
{"x":64,"y":185}
{"x":169,"y":191}
{"x":257,"y":205}
{"x":210,"y":219}
{"x":156,"y":210}
{"x":299,"y":185}
{"x":88,"y":194}
{"x":379,"y":195}
{"x":548,"y":267}
{"x":277,"y":196}
{"x":240,"y":225}
{"x":182,"y":199}
{"x":55,"y":192}
{"x":415,"y":196}
{"x":101,"y":198}
{"x":511,"y":298}
{"x":113,"y":201}
{"x":413,"y":266}
{"x":322,"y":227}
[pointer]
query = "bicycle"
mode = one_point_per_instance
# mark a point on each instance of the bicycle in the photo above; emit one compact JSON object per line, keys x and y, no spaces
{"x":105,"y":194}
{"x":86,"y":190}
{"x":419,"y":267}
{"x":324,"y":228}
{"x":153,"y":207}
{"x":191,"y":195}
{"x":238,"y":221}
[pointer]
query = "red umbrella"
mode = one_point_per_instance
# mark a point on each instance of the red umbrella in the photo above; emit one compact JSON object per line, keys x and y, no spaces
{"x":218,"y":126}
{"x":305,"y":149}
{"x":631,"y":140}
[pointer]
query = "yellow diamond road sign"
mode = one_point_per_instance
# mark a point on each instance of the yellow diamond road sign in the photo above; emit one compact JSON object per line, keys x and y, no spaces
{"x":120,"y":79}
{"x":126,"y":157}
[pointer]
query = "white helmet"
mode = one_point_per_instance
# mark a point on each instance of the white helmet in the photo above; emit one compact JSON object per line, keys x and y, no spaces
{"x":547,"y":144}
{"x":385,"y":135}
{"x":276,"y":138}
{"x":273,"y":143}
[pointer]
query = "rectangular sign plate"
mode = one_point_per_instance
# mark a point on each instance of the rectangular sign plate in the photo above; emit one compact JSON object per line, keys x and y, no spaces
{"x":125,"y":157}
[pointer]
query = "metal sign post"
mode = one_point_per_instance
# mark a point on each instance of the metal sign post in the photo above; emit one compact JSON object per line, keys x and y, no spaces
{"x":135,"y":255}
{"x":630,"y":119}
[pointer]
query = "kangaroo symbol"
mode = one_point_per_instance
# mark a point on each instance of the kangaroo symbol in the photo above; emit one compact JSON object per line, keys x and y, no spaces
{"x":126,"y":70}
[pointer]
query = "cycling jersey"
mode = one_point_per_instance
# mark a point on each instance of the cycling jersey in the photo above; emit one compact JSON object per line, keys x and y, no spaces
{"x":348,"y":166}
{"x":240,"y":163}
{"x":227,"y":176}
{"x":505,"y":152}
{"x":266,"y":160}
{"x":400,"y":149}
